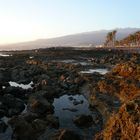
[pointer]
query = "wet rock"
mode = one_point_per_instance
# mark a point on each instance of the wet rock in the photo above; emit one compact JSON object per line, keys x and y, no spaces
{"x":2,"y":113}
{"x":6,"y":84}
{"x":25,"y":72}
{"x":2,"y":105}
{"x":1,"y":76}
{"x":12,"y":112}
{"x":33,"y":62}
{"x":102,"y":107}
{"x":35,"y":70}
{"x":97,"y":76}
{"x":29,"y":116}
{"x":10,"y":100}
{"x":24,"y":81}
{"x":15,"y":91}
{"x":22,"y":130}
{"x":70,"y":109}
{"x":83,"y":120}
{"x":4,"y":75}
{"x":48,"y":93}
{"x":41,"y":93}
{"x":85,"y":90}
{"x":39,"y":125}
{"x":42,"y":82}
{"x":75,"y":102}
{"x":66,"y":135}
{"x":14,"y":105}
{"x":71,"y":98}
{"x":53,"y":121}
{"x":3,"y":126}
{"x":79,"y":81}
{"x":18,"y":74}
{"x":38,"y":104}
{"x":41,"y":78}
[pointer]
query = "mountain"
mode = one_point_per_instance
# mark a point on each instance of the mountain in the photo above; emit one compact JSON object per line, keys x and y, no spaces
{"x":80,"y":39}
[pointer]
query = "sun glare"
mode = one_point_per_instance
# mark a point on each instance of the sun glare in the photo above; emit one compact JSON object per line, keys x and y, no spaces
{"x":16,"y":30}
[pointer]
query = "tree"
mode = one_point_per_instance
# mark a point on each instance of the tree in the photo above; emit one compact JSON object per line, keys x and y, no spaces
{"x":114,"y":37}
{"x":137,"y":34}
{"x":110,"y":38}
{"x":131,"y":40}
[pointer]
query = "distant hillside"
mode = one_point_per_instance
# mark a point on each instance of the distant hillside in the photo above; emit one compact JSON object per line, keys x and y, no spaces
{"x":81,"y":39}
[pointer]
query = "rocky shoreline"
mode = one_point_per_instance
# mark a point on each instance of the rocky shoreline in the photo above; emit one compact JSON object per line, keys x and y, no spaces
{"x":88,"y":101}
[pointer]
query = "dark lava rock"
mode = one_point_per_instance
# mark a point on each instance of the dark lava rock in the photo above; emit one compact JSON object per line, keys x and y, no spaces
{"x":66,"y":135}
{"x":15,"y":91}
{"x":4,"y":75}
{"x":71,"y":98}
{"x":48,"y":93}
{"x":75,"y":102}
{"x":53,"y":121}
{"x":40,"y":78}
{"x":2,"y":113}
{"x":3,"y":126}
{"x":14,"y":105}
{"x":38,"y":104}
{"x":39,"y":125}
{"x":83,"y":120}
{"x":17,"y":74}
{"x":29,"y":116}
{"x":22,"y":130}
{"x":3,"y":85}
{"x":24,"y":73}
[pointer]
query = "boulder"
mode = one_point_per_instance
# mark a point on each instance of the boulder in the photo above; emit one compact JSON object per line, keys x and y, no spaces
{"x":22,"y":129}
{"x":38,"y":104}
{"x":48,"y":93}
{"x":2,"y":113}
{"x":15,"y":91}
{"x":3,"y":126}
{"x":14,"y":105}
{"x":29,"y":116}
{"x":66,"y":135}
{"x":39,"y":125}
{"x":83,"y":120}
{"x":53,"y":121}
{"x":75,"y":102}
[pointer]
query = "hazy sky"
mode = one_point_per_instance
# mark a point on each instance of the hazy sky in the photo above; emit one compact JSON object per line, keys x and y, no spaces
{"x":23,"y":20}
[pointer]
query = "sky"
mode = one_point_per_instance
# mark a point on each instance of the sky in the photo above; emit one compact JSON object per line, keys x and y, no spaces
{"x":24,"y":20}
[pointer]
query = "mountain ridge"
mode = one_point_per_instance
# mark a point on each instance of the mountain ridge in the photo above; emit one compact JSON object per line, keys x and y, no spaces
{"x":78,"y":39}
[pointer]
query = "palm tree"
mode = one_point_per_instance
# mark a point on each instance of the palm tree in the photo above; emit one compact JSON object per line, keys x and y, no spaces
{"x":114,"y":37}
{"x":131,"y":39}
{"x":110,"y":38}
{"x":137,"y":34}
{"x":107,"y":40}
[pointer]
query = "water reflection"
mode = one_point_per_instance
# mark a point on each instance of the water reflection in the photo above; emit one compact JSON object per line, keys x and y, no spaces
{"x":23,"y":86}
{"x":67,"y":107}
{"x":5,"y":55}
{"x":101,"y":71}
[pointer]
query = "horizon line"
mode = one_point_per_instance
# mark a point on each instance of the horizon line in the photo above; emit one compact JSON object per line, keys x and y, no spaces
{"x":65,"y":35}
